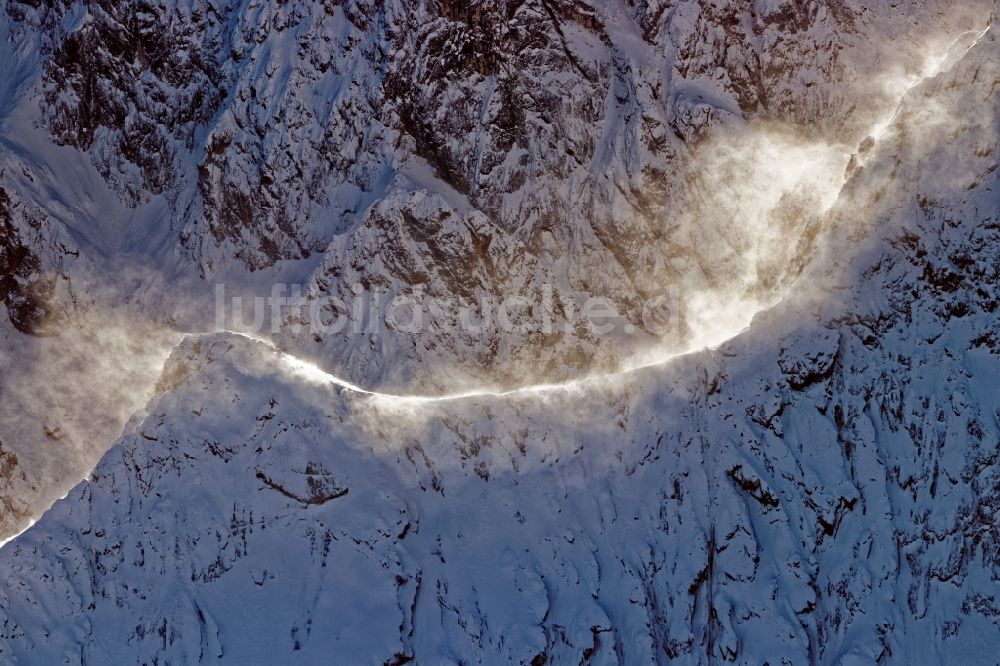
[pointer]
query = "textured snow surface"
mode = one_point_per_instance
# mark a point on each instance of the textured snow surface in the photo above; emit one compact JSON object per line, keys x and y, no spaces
{"x":621,"y":150}
{"x":821,"y":489}
{"x":468,"y":152}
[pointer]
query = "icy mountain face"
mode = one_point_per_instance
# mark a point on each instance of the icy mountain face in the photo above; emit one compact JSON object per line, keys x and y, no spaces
{"x":454,"y":152}
{"x":822,"y":489}
{"x":458,"y":154}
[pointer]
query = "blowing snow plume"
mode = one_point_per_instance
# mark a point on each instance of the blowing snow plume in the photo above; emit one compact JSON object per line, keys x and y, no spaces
{"x":63,"y":398}
{"x":751,"y":206}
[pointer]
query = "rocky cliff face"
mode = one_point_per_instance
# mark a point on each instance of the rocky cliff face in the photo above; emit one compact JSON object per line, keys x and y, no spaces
{"x":22,"y":289}
{"x":821,"y":489}
{"x":458,"y":153}
{"x":455,"y":151}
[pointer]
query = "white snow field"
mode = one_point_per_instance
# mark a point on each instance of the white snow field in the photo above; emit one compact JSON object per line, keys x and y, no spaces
{"x":808,"y":475}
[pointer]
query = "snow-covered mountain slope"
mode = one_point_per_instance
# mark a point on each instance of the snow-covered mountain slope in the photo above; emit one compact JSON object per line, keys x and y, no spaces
{"x":465,"y":153}
{"x":459,"y":151}
{"x":822,"y":489}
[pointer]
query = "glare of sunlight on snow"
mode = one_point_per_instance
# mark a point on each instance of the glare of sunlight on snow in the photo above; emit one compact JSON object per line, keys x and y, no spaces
{"x":311,"y":372}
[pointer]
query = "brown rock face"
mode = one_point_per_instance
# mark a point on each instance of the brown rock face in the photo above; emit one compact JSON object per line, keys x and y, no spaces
{"x":23,"y":289}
